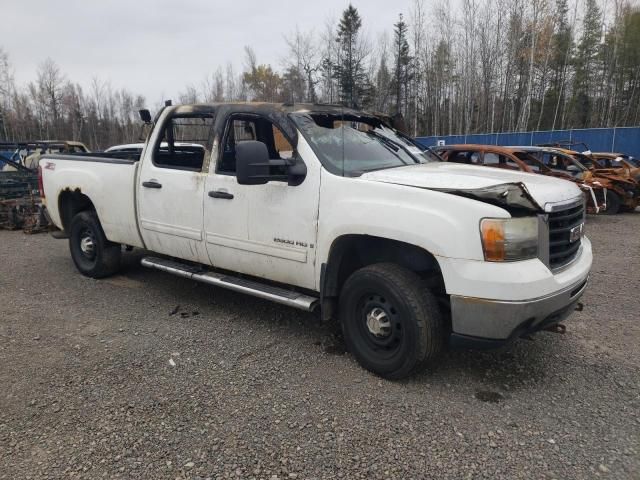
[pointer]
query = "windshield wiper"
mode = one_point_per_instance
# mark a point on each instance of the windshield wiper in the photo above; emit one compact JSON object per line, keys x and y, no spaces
{"x":384,"y":140}
{"x":405,"y":148}
{"x":388,"y":144}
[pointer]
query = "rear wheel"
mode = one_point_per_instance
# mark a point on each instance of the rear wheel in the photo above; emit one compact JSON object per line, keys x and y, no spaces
{"x":390,"y":320}
{"x":613,"y":203}
{"x":93,"y":255}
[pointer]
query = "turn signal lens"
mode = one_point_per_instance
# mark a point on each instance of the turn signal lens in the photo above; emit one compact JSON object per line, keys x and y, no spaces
{"x":493,"y":240}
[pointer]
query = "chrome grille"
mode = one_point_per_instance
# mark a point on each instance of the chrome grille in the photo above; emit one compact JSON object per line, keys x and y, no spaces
{"x":561,"y":249}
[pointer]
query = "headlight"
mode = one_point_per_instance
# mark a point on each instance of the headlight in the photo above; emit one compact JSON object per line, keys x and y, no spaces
{"x":509,"y":239}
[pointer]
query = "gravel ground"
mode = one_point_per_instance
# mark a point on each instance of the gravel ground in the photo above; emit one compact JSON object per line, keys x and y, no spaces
{"x":146,"y":375}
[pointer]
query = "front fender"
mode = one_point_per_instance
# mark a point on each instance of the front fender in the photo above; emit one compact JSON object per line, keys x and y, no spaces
{"x":445,"y":225}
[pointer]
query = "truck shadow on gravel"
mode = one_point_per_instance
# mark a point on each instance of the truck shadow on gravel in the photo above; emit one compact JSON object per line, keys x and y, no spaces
{"x":497,"y":373}
{"x":521,"y":364}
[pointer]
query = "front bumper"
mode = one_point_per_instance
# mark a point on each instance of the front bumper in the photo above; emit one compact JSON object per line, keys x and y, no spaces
{"x":489,"y":322}
{"x":493,"y":303}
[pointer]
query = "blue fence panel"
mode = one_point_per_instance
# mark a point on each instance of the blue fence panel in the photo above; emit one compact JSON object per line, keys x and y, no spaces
{"x":620,"y":140}
{"x":627,"y":140}
{"x":551,"y":136}
{"x":522,"y":138}
{"x":595,"y":139}
{"x":478,"y":138}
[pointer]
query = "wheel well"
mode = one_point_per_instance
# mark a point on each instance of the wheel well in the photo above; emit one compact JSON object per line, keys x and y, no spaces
{"x":70,"y":203}
{"x":352,"y":252}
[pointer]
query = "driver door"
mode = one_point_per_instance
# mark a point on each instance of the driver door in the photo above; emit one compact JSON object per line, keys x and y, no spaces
{"x":265,"y":230}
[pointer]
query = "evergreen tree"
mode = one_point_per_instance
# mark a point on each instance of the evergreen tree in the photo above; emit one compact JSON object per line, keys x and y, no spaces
{"x":383,"y":86}
{"x":349,"y":70}
{"x":401,"y":64}
{"x":585,"y":64}
{"x":293,"y":85}
{"x":561,"y":49}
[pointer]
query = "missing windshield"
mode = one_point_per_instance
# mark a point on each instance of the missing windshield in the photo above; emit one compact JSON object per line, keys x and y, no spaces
{"x":350,"y":144}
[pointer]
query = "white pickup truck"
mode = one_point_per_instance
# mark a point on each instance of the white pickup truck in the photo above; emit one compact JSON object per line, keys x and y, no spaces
{"x":320,"y":206}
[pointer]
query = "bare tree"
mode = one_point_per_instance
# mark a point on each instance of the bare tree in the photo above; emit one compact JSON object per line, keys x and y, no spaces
{"x":213,"y":88}
{"x":329,"y":55}
{"x":6,"y":91}
{"x":303,"y":58}
{"x":50,"y":85}
{"x":189,"y":95}
{"x":418,"y":25}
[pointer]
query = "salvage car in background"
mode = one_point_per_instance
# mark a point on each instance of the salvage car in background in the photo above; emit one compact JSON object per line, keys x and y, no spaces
{"x":322,"y":206}
{"x":20,"y":203}
{"x":516,"y":158}
{"x":618,"y":163}
{"x":28,"y":153}
{"x":623,"y":193}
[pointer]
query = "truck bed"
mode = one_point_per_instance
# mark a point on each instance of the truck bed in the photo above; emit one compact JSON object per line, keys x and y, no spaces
{"x":108,"y":179}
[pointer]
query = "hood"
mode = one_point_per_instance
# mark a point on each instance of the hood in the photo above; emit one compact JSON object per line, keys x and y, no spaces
{"x":455,"y":178}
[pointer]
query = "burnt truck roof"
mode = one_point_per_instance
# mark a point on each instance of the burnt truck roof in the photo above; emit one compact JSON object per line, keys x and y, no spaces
{"x":269,"y":108}
{"x":276,"y":112}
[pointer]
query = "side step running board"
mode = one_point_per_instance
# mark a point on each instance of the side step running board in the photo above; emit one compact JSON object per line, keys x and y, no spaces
{"x":250,"y":287}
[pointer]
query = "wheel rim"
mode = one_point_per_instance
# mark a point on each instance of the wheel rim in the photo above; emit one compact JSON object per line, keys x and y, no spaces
{"x":378,"y":322}
{"x":380,"y":325}
{"x":88,"y":244}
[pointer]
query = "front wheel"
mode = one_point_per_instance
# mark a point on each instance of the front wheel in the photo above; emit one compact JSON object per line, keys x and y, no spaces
{"x":93,"y":255}
{"x":390,"y":320}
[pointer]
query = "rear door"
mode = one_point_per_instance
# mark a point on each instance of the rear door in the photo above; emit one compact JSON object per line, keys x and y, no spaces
{"x":171,"y":189}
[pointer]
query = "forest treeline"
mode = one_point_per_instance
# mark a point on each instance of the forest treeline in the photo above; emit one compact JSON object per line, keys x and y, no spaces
{"x":476,"y":66}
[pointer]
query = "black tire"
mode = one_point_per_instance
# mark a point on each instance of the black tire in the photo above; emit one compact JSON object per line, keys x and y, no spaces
{"x":93,"y":255}
{"x":412,"y":333}
{"x":613,"y":203}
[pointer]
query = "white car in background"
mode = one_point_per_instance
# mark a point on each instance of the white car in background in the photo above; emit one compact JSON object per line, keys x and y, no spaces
{"x":138,"y":147}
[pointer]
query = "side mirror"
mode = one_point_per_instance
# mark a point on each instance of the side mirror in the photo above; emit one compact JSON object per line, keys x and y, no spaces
{"x":252,"y":163}
{"x":253,"y":166}
{"x":145,"y":115}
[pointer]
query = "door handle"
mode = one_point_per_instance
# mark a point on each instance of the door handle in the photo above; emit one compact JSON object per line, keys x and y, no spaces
{"x":152,"y":184}
{"x":220,"y":194}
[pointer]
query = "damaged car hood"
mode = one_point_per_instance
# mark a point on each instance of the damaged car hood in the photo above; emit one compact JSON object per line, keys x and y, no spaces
{"x":494,"y":185}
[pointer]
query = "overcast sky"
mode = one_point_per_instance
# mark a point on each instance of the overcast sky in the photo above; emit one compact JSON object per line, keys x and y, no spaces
{"x":156,"y":48}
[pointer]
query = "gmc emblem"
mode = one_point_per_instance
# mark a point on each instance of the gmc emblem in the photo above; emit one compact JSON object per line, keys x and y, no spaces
{"x":575,"y":233}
